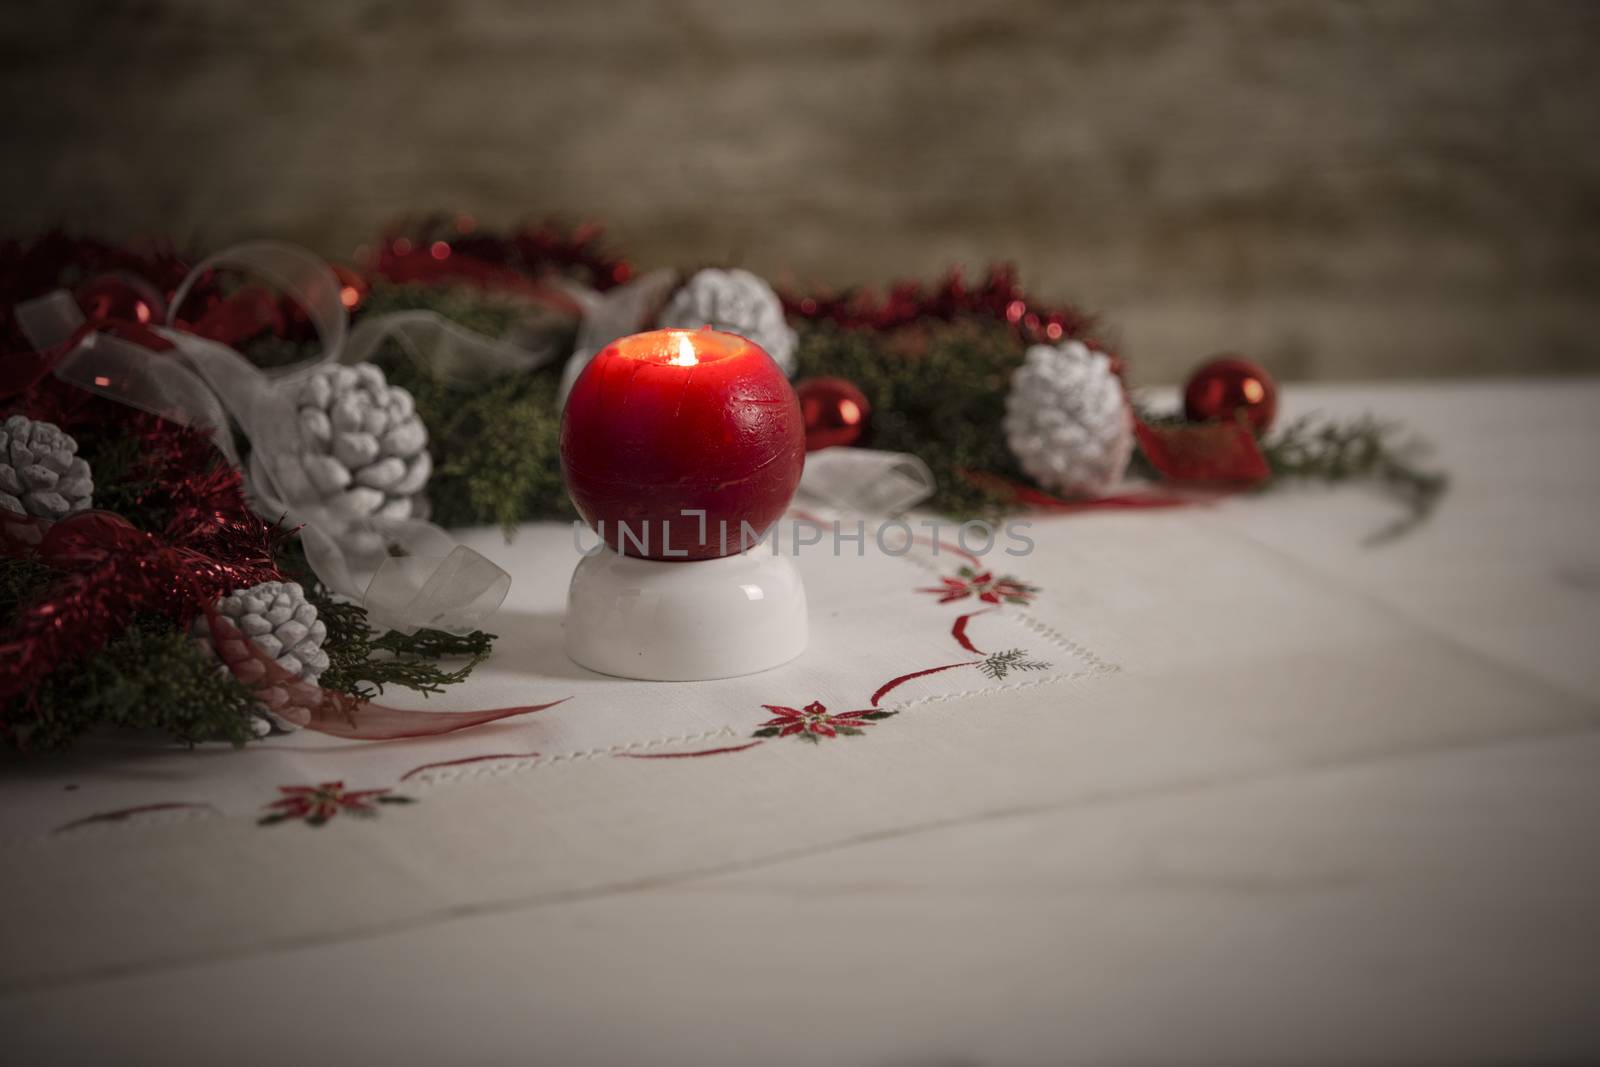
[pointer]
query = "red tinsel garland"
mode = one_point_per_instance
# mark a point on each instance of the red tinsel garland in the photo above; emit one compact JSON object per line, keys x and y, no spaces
{"x":997,"y":296}
{"x":439,"y":247}
{"x":209,"y":544}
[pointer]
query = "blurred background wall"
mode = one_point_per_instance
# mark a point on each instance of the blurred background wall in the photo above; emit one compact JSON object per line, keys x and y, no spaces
{"x":1339,"y":189}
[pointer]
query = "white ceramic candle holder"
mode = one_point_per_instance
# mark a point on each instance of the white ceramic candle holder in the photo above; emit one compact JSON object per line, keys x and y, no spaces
{"x":685,"y":621}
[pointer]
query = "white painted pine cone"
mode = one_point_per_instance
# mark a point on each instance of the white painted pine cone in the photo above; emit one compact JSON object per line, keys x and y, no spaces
{"x":279,"y":620}
{"x":363,"y":447}
{"x":40,"y":471}
{"x":1067,"y":420}
{"x":734,"y":301}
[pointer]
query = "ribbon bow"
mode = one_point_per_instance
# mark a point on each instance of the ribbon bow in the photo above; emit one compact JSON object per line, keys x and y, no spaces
{"x":407,"y":574}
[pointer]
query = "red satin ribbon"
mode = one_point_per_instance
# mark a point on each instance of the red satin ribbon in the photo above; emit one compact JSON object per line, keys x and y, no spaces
{"x":1206,"y":453}
{"x":1017,"y":493}
{"x":328,"y":712}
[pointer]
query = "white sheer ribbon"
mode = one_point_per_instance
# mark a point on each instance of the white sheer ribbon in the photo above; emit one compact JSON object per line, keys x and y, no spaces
{"x":865,"y":480}
{"x":451,"y":353}
{"x":610,"y":315}
{"x":407,"y":574}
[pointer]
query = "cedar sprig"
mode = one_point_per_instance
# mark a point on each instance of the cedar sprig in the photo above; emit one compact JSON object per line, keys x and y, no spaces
{"x":1363,"y":448}
{"x":997,"y":665}
{"x":362,"y":662}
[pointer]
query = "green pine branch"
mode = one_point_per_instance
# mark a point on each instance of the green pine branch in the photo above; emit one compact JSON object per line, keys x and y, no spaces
{"x":1363,"y":448}
{"x":362,"y":661}
{"x":998,"y":664}
{"x":937,"y":390}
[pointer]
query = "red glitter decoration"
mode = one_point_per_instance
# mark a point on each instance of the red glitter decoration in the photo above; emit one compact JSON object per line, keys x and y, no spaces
{"x":1228,"y":385}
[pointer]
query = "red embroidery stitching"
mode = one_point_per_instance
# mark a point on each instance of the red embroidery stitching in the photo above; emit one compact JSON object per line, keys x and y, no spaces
{"x":469,"y":759}
{"x":688,"y":755}
{"x":959,"y":630}
{"x":894,"y":682}
{"x":126,"y":813}
{"x":317,"y":804}
{"x":813,"y":722}
{"x":983,"y":585}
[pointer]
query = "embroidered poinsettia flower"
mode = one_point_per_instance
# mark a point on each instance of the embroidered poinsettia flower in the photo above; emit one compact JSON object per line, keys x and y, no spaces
{"x":316,"y":804}
{"x":983,"y":585}
{"x":813,"y":722}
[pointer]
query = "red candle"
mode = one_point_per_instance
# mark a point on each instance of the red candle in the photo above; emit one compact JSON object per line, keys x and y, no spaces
{"x":663,"y":425}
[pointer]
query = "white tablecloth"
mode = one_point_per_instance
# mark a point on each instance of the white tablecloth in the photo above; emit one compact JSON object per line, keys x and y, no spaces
{"x":1279,"y":797}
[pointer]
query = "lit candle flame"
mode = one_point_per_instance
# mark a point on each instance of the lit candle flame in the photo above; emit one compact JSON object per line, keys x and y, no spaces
{"x":685,"y":356}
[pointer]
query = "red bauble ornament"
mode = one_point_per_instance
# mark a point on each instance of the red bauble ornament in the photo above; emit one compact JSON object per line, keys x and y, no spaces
{"x":834,"y":411}
{"x":123,"y":297}
{"x":666,"y":424}
{"x":1227,"y":385}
